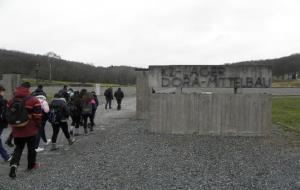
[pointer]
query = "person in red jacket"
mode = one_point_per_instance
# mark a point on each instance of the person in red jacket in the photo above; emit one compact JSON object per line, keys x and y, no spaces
{"x":26,"y":134}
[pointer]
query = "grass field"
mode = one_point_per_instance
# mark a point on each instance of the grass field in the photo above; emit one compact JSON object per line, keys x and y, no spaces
{"x":286,"y":84}
{"x":286,"y":112}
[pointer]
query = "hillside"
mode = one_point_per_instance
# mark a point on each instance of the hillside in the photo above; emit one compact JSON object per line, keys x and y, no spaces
{"x":280,"y":66}
{"x":63,"y":70}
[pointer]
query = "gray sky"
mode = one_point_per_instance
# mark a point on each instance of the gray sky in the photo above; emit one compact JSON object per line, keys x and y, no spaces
{"x":152,"y":32}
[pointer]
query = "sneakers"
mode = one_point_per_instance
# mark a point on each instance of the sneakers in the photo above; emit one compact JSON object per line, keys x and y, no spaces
{"x":39,"y":149}
{"x":54,"y":147}
{"x":76,"y":132}
{"x":48,"y":142}
{"x":13,"y":171}
{"x":9,"y":144}
{"x":71,"y":141}
{"x":71,"y":130}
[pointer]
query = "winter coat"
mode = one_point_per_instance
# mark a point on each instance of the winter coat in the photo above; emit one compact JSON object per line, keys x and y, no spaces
{"x":119,"y":95}
{"x":108,"y":94}
{"x":64,"y":93}
{"x":94,"y":104}
{"x":33,"y":106}
{"x":96,"y":100}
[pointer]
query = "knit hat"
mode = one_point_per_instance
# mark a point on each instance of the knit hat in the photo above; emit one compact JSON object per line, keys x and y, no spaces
{"x":26,"y":85}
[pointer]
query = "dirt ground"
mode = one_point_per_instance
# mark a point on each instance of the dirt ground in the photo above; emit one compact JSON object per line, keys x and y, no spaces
{"x":121,"y":155}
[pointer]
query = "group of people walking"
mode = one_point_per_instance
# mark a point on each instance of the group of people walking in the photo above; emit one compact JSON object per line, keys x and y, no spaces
{"x":27,"y":113}
{"x":109,"y":96}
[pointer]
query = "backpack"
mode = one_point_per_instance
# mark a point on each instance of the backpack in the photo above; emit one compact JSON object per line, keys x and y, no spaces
{"x":87,"y":108}
{"x":55,"y":114}
{"x":17,"y":114}
{"x":64,"y":94}
{"x":74,"y":110}
{"x":108,"y":93}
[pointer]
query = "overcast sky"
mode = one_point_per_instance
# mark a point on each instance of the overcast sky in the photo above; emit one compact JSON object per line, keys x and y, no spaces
{"x":152,"y":32}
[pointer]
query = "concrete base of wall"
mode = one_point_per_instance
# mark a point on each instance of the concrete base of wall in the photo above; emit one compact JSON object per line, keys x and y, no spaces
{"x":142,"y":95}
{"x":211,"y":114}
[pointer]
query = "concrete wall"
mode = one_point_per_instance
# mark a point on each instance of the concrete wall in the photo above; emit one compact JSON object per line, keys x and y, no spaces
{"x":142,"y":95}
{"x":214,"y":114}
{"x":210,"y":76}
{"x":10,"y":81}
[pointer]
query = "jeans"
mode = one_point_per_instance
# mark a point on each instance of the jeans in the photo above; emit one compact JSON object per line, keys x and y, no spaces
{"x":85,"y":119}
{"x":108,"y":103}
{"x":119,"y":104}
{"x":3,"y":152}
{"x":76,"y":120}
{"x":10,"y":138}
{"x":92,"y":117}
{"x":64,"y":128}
{"x":20,"y":144}
{"x":41,"y":133}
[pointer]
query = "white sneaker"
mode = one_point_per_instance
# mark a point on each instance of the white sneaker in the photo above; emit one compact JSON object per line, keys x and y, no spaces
{"x":39,"y":149}
{"x":48,"y":142}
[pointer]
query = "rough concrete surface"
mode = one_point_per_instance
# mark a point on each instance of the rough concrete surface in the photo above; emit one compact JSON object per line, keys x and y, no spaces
{"x":121,"y":155}
{"x":211,"y":114}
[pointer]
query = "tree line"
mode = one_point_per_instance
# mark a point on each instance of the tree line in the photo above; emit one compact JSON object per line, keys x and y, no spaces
{"x":63,"y":70}
{"x":280,"y":66}
{"x":31,"y":65}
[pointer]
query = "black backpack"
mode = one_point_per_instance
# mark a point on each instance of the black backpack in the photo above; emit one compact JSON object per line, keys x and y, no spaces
{"x":74,"y":110}
{"x":87,"y":108}
{"x":55,"y":114}
{"x":17,"y":114}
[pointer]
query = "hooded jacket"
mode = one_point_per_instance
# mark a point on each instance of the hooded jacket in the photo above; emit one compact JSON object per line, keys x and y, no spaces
{"x":34,"y":110}
{"x":39,"y":91}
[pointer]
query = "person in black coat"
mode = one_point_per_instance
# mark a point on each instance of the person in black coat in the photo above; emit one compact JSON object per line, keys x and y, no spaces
{"x":109,"y":97}
{"x":75,"y":111}
{"x":58,"y":117}
{"x":64,"y":93}
{"x":95,"y":107}
{"x":39,"y":91}
{"x":119,"y":95}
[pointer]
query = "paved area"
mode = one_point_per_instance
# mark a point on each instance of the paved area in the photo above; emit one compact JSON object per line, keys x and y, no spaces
{"x":121,"y":155}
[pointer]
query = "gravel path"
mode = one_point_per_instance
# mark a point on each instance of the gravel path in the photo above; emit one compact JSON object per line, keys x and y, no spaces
{"x":120,"y":155}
